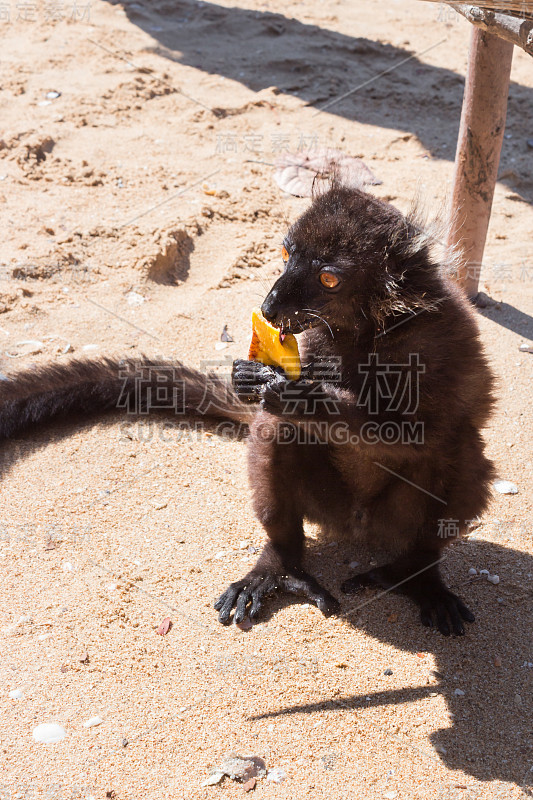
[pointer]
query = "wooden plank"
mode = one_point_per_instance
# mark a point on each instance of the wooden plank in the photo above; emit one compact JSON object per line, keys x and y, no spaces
{"x":478,"y":151}
{"x":517,"y":30}
{"x":520,"y":6}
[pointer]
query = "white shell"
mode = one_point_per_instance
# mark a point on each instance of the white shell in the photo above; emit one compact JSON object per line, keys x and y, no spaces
{"x":49,"y":733}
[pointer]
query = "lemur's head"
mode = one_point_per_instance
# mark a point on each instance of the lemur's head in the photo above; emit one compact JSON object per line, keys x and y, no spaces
{"x":350,"y":257}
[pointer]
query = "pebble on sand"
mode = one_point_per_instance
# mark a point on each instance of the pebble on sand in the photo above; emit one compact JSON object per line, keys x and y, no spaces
{"x":135,"y":299}
{"x":276,"y":775}
{"x":16,"y":694}
{"x":93,"y":722}
{"x":459,"y":693}
{"x":49,"y":733}
{"x":505,"y":487}
{"x":213,"y":779}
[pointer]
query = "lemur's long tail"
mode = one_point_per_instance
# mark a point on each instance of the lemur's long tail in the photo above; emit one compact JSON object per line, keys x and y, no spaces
{"x":134,"y":385}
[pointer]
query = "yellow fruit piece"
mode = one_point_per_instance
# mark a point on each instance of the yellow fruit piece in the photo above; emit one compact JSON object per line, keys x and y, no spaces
{"x":267,"y":348}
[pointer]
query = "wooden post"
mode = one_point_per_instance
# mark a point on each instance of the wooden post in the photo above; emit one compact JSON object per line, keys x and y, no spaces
{"x":478,"y":151}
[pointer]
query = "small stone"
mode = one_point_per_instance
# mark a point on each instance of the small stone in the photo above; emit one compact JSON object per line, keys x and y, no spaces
{"x":249,"y":785}
{"x":135,"y":299}
{"x":393,"y":617}
{"x":53,"y":95}
{"x":494,"y":579}
{"x":92,"y":722}
{"x":518,"y":699}
{"x":67,"y":566}
{"x":243,"y":545}
{"x":16,"y":694}
{"x":276,"y":775}
{"x":459,"y":693}
{"x":164,"y":626}
{"x":214,"y":778}
{"x":245,"y":625}
{"x":390,"y":795}
{"x":497,"y":661}
{"x":87,"y":348}
{"x":221,"y":345}
{"x":353,"y":564}
{"x":239,"y":768}
{"x":484,"y":572}
{"x":388,"y":671}
{"x":529,"y":143}
{"x":49,"y":733}
{"x":472,"y":571}
{"x":159,"y":504}
{"x":526,"y":348}
{"x":440,"y":749}
{"x":505,"y":487}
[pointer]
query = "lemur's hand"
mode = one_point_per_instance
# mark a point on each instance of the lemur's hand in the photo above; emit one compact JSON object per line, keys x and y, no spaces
{"x":249,"y":378}
{"x":301,"y":399}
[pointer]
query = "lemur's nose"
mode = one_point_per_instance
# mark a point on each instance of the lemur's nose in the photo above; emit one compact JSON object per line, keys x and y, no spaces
{"x":269,"y":306}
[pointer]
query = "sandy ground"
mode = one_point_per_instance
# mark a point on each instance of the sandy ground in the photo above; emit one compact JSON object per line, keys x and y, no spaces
{"x":150,"y":175}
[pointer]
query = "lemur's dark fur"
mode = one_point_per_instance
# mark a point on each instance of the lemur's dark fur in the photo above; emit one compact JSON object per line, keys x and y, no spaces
{"x":391,"y":303}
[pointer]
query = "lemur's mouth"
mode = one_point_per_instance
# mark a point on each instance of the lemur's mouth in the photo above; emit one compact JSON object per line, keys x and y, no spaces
{"x":295,"y":324}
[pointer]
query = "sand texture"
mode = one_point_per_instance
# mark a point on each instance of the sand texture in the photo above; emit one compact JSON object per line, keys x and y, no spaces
{"x":139,"y":215}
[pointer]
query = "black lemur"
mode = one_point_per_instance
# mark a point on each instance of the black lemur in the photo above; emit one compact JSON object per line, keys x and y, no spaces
{"x":381,"y":435}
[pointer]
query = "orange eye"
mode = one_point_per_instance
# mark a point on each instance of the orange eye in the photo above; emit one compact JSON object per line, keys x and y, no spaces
{"x":329,"y":280}
{"x":284,"y":254}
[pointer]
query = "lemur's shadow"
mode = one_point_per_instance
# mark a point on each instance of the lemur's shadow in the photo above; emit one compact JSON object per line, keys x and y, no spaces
{"x":355,"y":77}
{"x":489,"y":736}
{"x":510,"y":317}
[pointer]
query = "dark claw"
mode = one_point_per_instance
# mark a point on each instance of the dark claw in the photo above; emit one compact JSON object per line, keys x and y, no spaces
{"x":247,"y":595}
{"x":447,"y":609}
{"x":271,"y":400}
{"x":250,"y":377}
{"x":327,"y":604}
{"x":225,"y":603}
{"x":437,"y":604}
